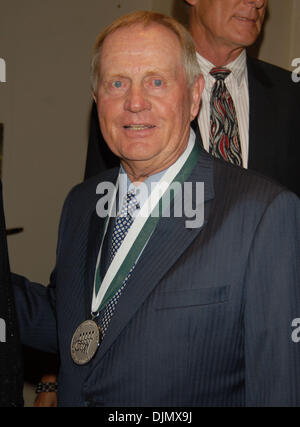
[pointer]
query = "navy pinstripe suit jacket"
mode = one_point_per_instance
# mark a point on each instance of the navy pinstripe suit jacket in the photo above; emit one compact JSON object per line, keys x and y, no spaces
{"x":206,"y":317}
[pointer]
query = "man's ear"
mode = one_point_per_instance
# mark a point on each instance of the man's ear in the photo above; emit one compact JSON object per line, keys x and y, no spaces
{"x":94,"y":96}
{"x":196,"y":93}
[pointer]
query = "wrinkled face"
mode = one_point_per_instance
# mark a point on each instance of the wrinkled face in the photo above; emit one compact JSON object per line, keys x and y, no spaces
{"x":144,"y":104}
{"x":236,"y":23}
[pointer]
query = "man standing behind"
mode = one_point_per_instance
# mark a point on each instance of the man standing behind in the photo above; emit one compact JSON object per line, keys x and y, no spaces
{"x":259,"y":128}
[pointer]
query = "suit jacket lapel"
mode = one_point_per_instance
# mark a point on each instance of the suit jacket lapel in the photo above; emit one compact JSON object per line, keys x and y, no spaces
{"x":94,"y":240}
{"x":260,"y":122}
{"x":161,"y":252}
{"x":96,"y":230}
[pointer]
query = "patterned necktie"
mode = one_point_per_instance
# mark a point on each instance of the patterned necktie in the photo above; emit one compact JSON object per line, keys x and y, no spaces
{"x":121,"y":228}
{"x":224,"y":138}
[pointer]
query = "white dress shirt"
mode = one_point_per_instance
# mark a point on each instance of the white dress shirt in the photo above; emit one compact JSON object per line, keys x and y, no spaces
{"x":237,"y":84}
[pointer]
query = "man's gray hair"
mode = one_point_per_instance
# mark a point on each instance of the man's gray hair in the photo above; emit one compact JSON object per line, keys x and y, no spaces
{"x":147,"y":18}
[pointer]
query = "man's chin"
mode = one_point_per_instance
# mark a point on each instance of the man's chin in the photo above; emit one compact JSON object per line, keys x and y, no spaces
{"x":136,"y":158}
{"x":137,"y":151}
{"x":246,"y":38}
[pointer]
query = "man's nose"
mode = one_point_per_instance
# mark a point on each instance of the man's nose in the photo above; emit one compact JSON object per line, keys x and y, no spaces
{"x":137,"y":100}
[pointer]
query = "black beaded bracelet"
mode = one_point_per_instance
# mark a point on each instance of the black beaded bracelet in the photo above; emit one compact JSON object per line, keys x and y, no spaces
{"x":46,"y":387}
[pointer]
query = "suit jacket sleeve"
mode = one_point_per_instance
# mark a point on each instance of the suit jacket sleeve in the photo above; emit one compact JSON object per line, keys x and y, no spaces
{"x":272,"y":302}
{"x":36,"y":303}
{"x":36,"y":313}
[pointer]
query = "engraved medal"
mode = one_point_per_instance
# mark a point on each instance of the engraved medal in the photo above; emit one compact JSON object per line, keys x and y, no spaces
{"x":85,"y":342}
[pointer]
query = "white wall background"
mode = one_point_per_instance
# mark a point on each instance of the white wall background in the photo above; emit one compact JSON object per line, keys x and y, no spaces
{"x":281,"y":42}
{"x":295,"y":30}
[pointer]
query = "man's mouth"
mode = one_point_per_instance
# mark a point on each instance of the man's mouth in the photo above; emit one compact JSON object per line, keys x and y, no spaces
{"x":139,"y":127}
{"x":243,"y":18}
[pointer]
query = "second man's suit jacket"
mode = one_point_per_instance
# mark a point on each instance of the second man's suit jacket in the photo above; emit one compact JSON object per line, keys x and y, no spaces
{"x":274,"y":127}
{"x":206,"y":316}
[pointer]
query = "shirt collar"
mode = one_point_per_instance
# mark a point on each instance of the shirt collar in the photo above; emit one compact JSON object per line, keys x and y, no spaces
{"x":238,"y":67}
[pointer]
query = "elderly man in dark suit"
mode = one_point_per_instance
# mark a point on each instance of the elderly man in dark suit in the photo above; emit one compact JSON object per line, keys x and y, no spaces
{"x":165,"y":292}
{"x":265,"y":100}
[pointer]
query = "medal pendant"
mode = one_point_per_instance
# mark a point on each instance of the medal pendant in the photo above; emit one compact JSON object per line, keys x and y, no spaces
{"x":85,"y":342}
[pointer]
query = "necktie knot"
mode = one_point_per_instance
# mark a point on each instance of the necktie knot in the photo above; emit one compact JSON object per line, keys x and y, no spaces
{"x":123,"y":222}
{"x":130,"y":204}
{"x":220,"y":73}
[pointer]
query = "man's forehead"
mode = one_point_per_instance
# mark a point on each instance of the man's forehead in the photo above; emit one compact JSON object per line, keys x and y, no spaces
{"x":151,"y":44}
{"x":139,"y":34}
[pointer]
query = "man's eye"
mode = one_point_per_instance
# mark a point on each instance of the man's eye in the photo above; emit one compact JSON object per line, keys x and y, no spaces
{"x":157,"y":83}
{"x":117,"y":84}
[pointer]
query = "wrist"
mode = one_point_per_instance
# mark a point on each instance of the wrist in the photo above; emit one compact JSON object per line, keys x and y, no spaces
{"x":46,"y":387}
